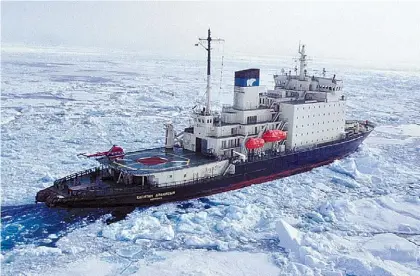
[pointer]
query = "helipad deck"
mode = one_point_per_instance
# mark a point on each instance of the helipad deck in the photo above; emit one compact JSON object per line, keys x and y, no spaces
{"x":157,"y":160}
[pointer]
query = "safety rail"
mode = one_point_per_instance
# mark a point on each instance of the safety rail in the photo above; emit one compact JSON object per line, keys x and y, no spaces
{"x":77,"y":175}
{"x":282,"y":125}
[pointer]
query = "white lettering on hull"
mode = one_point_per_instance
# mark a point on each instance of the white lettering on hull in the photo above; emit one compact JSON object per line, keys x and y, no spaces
{"x":157,"y":196}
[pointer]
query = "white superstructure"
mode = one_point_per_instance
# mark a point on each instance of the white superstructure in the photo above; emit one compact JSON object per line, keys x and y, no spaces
{"x":310,"y":109}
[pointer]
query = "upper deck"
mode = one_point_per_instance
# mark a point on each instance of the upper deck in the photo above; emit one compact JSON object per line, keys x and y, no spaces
{"x":155,"y":160}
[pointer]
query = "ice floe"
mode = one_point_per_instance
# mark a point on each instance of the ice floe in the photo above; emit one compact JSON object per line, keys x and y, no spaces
{"x":357,"y":216}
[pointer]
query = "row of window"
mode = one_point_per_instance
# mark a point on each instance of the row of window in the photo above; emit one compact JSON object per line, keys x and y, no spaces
{"x":313,"y":132}
{"x":319,"y":106}
{"x":338,"y":88}
{"x":209,"y":121}
{"x":230,"y":143}
{"x":251,"y":120}
{"x":329,"y":113}
{"x":333,"y":121}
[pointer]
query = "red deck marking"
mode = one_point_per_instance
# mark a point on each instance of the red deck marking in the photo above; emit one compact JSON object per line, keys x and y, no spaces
{"x":151,"y":161}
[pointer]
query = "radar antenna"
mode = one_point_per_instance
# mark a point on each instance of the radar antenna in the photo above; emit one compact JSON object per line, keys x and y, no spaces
{"x":208,"y":49}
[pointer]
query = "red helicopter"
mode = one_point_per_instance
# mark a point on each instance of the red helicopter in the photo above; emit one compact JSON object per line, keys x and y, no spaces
{"x":115,"y":152}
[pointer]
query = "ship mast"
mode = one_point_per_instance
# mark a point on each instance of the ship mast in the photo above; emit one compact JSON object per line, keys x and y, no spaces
{"x":302,"y":60}
{"x":208,"y":49}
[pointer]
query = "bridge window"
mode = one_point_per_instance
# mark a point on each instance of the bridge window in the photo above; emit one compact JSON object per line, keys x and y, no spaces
{"x":251,"y":120}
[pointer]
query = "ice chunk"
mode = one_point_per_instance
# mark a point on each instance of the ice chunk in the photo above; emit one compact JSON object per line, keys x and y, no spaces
{"x":206,"y":263}
{"x":290,"y":237}
{"x":198,"y":242}
{"x":391,"y":247}
{"x":349,"y":183}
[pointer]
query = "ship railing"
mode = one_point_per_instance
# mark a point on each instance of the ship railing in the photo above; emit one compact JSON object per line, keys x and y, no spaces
{"x":95,"y":191}
{"x":227,"y":108}
{"x":273,"y":95}
{"x":282,"y":125}
{"x":77,"y":175}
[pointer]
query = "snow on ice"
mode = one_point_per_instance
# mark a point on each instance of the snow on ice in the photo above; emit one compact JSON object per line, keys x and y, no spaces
{"x":357,"y":216}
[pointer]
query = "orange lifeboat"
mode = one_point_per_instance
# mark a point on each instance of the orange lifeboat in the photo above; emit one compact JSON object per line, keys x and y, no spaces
{"x":254,"y":143}
{"x":274,"y":135}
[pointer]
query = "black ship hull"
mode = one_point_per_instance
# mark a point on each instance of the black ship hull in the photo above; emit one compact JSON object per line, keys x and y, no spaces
{"x":256,"y":170}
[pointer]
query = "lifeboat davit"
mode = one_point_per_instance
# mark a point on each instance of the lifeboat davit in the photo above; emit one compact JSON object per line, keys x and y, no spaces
{"x":254,"y":143}
{"x":274,"y":135}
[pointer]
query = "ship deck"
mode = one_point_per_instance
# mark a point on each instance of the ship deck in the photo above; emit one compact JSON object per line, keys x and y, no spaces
{"x":150,"y":161}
